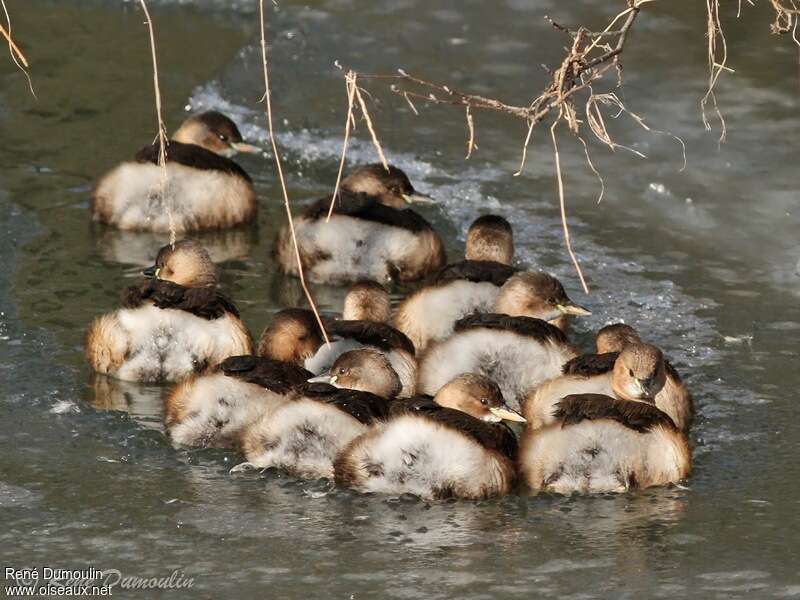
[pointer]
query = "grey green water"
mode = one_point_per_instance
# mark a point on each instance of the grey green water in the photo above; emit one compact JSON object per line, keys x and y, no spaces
{"x":703,"y":261}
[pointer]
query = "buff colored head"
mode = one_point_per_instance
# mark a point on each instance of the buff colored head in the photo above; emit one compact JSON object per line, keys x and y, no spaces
{"x":477,"y":396}
{"x":639,"y":373}
{"x":186,"y":263}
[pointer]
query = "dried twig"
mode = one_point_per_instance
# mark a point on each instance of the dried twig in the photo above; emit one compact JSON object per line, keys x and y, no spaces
{"x":268,"y":100}
{"x":717,"y":59}
{"x":528,"y":136}
{"x":471,"y":128}
{"x":786,"y":17}
{"x":562,"y":205}
{"x":16,"y":54}
{"x":162,"y":129}
{"x":350,"y":84}
{"x":365,"y":114}
{"x":595,"y":171}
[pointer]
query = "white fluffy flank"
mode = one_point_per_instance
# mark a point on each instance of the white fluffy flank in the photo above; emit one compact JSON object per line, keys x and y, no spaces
{"x":515,"y":362}
{"x":348,"y":249}
{"x":129,"y":197}
{"x":303,"y":437}
{"x":602,"y":456}
{"x":168,"y":344}
{"x":214,"y":410}
{"x":411,"y":454}
{"x":429,"y":314}
{"x":539,"y":404}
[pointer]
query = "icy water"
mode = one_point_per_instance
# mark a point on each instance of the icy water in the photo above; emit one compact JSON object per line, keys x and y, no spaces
{"x":704,"y":261}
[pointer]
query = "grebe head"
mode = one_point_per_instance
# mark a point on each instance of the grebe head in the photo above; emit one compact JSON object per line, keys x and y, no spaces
{"x":215,"y":132}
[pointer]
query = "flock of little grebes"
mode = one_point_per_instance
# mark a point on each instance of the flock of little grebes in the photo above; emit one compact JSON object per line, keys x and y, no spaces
{"x":469,"y":388}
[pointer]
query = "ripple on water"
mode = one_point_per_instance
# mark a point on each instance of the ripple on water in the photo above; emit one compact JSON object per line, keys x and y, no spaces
{"x":14,"y":496}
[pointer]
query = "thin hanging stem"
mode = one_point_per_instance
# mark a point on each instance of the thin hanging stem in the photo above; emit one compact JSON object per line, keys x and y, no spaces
{"x":268,"y":100}
{"x":350,"y":86}
{"x":162,"y":129}
{"x":562,"y":204}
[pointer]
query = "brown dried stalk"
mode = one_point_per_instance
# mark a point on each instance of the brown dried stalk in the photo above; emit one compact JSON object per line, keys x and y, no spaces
{"x":717,"y":59}
{"x":268,"y":100}
{"x":563,"y":207}
{"x":162,"y":129}
{"x":16,"y":54}
{"x":786,"y":18}
{"x":365,"y":114}
{"x":350,"y":84}
{"x":471,"y":140}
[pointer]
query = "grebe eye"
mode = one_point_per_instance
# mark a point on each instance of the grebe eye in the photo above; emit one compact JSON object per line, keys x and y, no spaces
{"x":484,"y":401}
{"x":223,"y":137}
{"x":342,"y":370}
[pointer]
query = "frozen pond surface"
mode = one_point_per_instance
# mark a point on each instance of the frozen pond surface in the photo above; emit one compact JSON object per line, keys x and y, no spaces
{"x":704,"y":262}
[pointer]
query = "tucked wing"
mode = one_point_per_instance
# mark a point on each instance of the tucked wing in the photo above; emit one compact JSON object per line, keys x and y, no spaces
{"x":372,"y":333}
{"x":206,"y":303}
{"x":136,"y":295}
{"x":367,"y":208}
{"x":639,"y":416}
{"x":477,"y":271}
{"x":527,"y":326}
{"x":587,"y":365}
{"x":190,"y":155}
{"x":274,"y":375}
{"x":495,"y":436}
{"x":362,"y":406}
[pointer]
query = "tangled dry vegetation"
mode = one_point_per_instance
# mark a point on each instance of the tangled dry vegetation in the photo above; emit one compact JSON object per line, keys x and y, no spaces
{"x":569,"y":100}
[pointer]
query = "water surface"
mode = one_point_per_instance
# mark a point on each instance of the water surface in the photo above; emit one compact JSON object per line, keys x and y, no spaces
{"x":704,"y":261}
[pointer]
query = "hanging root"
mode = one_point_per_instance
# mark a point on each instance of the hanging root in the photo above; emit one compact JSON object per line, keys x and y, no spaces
{"x":268,"y":100}
{"x":717,"y":64}
{"x":786,"y":17}
{"x":16,"y":54}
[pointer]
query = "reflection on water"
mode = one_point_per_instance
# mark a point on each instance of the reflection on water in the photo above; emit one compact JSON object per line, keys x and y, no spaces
{"x":140,"y":248}
{"x":142,"y":402}
{"x":697,"y":260}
